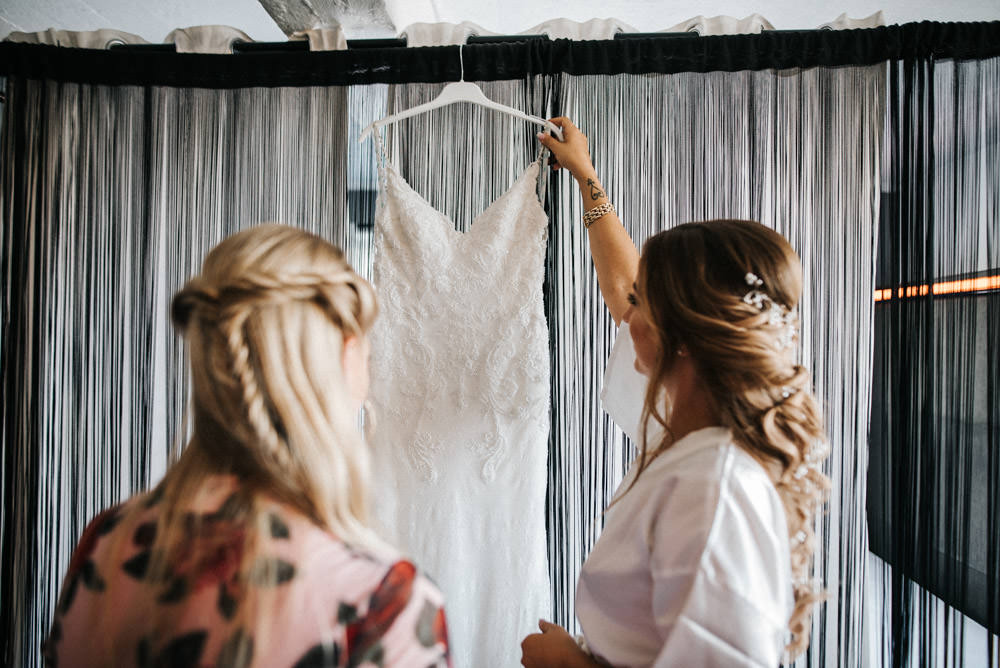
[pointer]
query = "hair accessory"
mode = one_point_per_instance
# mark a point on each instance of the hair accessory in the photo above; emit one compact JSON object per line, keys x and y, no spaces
{"x":591,"y":217}
{"x":777,"y":315}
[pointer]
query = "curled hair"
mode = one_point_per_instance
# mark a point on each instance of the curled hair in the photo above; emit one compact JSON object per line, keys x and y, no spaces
{"x":694,"y":279}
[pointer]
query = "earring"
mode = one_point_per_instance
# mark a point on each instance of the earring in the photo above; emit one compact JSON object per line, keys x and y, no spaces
{"x":370,"y":421}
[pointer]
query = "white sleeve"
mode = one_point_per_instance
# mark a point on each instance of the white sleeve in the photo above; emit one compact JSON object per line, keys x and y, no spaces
{"x":624,"y":388}
{"x":715,"y":600}
{"x":710,"y":626}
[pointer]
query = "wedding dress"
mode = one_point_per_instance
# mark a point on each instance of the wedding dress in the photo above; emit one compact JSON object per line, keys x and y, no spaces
{"x":460,"y":387}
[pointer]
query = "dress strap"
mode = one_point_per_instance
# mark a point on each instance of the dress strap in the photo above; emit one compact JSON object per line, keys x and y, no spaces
{"x":543,"y":175}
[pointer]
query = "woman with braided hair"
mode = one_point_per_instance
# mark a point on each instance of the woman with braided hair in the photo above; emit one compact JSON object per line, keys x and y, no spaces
{"x":707,"y":546}
{"x":254,"y":549}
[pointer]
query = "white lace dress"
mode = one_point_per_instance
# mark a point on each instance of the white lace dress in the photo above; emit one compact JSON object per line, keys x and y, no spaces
{"x":460,"y":386}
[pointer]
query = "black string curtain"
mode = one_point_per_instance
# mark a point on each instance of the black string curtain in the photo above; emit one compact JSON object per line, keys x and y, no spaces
{"x":934,"y":476}
{"x":76,"y":369}
{"x":111,"y":197}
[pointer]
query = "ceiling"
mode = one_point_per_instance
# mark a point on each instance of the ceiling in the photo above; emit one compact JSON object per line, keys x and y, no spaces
{"x":272,"y":20}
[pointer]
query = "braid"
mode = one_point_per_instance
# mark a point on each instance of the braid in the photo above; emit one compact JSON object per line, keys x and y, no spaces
{"x":339,"y":295}
{"x":194,"y":301}
{"x":260,"y":420}
{"x":229,"y":307}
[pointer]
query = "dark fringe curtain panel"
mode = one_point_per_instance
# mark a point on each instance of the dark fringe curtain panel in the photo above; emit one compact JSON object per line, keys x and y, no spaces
{"x":120,"y":169}
{"x":934,"y":477}
{"x":111,"y":198}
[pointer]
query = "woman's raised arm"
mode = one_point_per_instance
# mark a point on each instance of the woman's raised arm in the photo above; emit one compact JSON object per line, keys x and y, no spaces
{"x":615,"y":256}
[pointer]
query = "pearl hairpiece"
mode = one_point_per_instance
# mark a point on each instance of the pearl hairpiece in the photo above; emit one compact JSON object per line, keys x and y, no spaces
{"x":777,"y":315}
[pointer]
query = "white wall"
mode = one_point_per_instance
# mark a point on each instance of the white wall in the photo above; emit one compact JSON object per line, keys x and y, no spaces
{"x":512,"y":16}
{"x":150,"y":19}
{"x":153,"y":19}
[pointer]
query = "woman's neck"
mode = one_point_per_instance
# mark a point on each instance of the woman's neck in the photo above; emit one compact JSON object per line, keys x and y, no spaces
{"x":691,"y":404}
{"x":685,"y":421}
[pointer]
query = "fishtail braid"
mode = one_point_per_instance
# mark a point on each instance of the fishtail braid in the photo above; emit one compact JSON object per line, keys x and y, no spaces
{"x":259,"y":417}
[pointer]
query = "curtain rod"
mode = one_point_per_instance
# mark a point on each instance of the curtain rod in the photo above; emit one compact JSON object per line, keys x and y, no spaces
{"x":502,"y":60}
{"x":240,"y":46}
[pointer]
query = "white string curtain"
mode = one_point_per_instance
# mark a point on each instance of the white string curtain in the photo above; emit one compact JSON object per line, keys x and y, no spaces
{"x":118,"y":193}
{"x":797,"y":150}
{"x":461,"y":158}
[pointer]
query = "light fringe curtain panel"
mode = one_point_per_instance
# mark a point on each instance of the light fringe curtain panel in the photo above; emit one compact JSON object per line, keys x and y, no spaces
{"x":111,"y":198}
{"x":797,"y":150}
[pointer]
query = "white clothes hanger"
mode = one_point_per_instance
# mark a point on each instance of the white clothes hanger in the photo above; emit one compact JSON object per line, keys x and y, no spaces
{"x":459,"y":91}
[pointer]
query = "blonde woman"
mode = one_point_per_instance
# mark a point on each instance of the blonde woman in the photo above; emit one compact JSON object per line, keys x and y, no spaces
{"x":705,"y":554}
{"x":254,"y":550}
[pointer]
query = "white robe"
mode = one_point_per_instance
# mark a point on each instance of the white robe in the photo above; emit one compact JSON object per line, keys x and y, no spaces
{"x":692,"y":567}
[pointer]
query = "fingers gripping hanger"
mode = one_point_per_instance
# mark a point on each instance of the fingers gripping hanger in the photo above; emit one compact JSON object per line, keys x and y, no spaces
{"x":459,"y":91}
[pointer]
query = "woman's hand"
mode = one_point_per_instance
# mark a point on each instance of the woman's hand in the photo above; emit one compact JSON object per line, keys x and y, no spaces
{"x":573,"y":152}
{"x":553,"y":648}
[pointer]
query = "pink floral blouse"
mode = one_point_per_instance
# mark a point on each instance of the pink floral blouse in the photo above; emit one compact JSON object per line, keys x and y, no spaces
{"x":332,"y":605}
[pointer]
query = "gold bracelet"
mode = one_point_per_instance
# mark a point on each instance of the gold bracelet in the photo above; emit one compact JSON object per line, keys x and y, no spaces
{"x":590,"y":217}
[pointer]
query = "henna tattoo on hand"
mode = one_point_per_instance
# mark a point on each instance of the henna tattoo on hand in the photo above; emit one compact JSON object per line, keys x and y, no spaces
{"x":595,"y":192}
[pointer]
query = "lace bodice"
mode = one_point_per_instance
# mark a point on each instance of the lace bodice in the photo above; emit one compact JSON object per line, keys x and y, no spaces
{"x":466,"y":305}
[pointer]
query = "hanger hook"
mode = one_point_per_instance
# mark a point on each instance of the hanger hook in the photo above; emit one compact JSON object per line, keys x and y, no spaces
{"x":461,"y":63}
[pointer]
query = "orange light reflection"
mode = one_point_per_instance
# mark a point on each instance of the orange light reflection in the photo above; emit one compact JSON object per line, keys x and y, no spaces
{"x":980,"y":284}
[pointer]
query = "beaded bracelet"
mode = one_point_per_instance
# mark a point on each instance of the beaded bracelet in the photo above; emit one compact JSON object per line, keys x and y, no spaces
{"x":590,"y":217}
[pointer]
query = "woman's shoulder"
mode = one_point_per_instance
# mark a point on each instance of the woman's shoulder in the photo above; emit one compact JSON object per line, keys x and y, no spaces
{"x":312,"y":557}
{"x":383,"y":602}
{"x":327,"y":553}
{"x":697,"y":464}
{"x":725,"y":520}
{"x":709,"y":460}
{"x":322,"y":553}
{"x":707,"y":487}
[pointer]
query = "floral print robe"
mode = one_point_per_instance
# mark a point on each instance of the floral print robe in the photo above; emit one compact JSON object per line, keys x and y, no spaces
{"x":326,"y":604}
